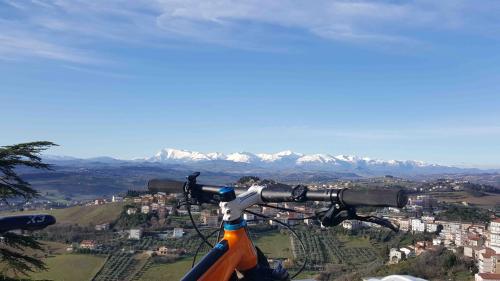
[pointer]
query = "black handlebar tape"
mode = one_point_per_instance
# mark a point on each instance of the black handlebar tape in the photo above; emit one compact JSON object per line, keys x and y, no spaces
{"x":375,"y":198}
{"x":166,"y":185}
{"x":26,"y":222}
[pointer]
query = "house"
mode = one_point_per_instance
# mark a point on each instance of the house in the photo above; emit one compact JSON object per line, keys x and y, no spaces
{"x":494,"y":238}
{"x":409,"y":251}
{"x":396,"y":255}
{"x":351,"y":224}
{"x":487,"y":260}
{"x":248,"y":217}
{"x":437,"y":241}
{"x":404,"y":224}
{"x":164,"y":251}
{"x":145,"y":209}
{"x":101,"y":227}
{"x":88,"y":244}
{"x":474,"y":240}
{"x":487,"y":277}
{"x":99,"y":201}
{"x":417,"y":225}
{"x":135,"y":234}
{"x":210,"y":220}
{"x":116,"y":199}
{"x":469,"y":251}
{"x":131,"y":211}
{"x":178,"y":232}
{"x":431,"y":227}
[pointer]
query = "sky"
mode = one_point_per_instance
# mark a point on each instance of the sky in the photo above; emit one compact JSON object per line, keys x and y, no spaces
{"x":387,"y":79}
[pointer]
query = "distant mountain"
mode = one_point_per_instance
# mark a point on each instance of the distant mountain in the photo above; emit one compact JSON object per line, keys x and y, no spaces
{"x":285,"y":161}
{"x":289,"y":160}
{"x":104,"y":176}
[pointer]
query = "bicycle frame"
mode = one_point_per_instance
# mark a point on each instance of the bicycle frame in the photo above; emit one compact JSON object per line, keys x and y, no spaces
{"x":235,"y":251}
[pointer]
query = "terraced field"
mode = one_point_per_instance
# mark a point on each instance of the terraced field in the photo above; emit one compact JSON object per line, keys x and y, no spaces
{"x":324,"y":247}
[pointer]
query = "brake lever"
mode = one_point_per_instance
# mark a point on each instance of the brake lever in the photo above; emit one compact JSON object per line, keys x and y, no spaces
{"x":376,"y":220}
{"x":193,"y":193}
{"x":335,"y":215}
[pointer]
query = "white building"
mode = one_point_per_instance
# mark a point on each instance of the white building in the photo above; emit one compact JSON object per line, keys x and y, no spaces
{"x":396,"y":255}
{"x":437,"y":241}
{"x":131,"y":211}
{"x":431,"y":227}
{"x":101,"y":227}
{"x":417,"y":225}
{"x":351,"y":224}
{"x":145,"y":209}
{"x":116,"y":199}
{"x":248,"y":217}
{"x":178,"y":232}
{"x":211,"y":220}
{"x":487,"y":261}
{"x":494,"y":241}
{"x":135,"y":233}
{"x":404,"y":224}
{"x":487,"y":277}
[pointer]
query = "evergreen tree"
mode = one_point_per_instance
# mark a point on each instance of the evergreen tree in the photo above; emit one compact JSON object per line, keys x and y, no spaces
{"x":13,"y":247}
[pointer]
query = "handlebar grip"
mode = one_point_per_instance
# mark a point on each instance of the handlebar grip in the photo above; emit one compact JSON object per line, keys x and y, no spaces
{"x":165,"y":185}
{"x":277,"y":192}
{"x":375,"y":198}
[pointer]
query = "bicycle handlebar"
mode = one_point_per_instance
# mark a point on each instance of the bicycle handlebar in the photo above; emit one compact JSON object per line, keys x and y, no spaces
{"x":287,"y":193}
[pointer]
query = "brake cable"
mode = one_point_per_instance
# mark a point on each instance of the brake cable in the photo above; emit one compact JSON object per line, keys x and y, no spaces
{"x":293,"y":232}
{"x":201,"y":245}
{"x":188,"y":207}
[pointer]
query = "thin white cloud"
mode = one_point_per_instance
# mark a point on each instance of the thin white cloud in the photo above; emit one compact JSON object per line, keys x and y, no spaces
{"x":60,"y":29}
{"x":16,"y":47}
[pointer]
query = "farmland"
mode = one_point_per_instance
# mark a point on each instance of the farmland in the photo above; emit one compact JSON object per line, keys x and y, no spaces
{"x":82,"y":215}
{"x":70,"y":267}
{"x":489,"y":200}
{"x":325,"y":247}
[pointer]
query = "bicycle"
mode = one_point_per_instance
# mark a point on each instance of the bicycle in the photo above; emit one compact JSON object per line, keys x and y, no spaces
{"x":235,"y":252}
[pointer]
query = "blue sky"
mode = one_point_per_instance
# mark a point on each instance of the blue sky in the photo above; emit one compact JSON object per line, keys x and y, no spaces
{"x":385,"y":79}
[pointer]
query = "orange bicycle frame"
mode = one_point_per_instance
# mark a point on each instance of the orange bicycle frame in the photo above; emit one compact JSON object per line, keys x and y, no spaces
{"x":234,"y":252}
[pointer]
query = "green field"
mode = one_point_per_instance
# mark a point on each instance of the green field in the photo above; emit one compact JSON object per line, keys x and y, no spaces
{"x":489,"y":200}
{"x":70,"y":267}
{"x":82,"y":215}
{"x":171,"y":271}
{"x":275,"y":245}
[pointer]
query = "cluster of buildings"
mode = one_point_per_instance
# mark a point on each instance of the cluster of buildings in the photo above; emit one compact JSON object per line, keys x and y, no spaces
{"x":153,"y":203}
{"x":487,"y":254}
{"x":102,"y":201}
{"x":398,"y":254}
{"x":480,"y":242}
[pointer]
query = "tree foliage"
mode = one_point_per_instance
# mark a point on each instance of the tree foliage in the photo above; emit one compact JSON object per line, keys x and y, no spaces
{"x":15,"y":156}
{"x":463,"y":213}
{"x":14,"y":246}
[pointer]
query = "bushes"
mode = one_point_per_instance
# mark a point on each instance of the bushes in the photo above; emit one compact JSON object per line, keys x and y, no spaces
{"x":434,"y":265}
{"x":462,"y":213}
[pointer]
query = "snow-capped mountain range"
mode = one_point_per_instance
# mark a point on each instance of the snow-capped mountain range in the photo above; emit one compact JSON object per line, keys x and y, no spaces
{"x":293,"y":161}
{"x":285,"y":161}
{"x":287,"y":157}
